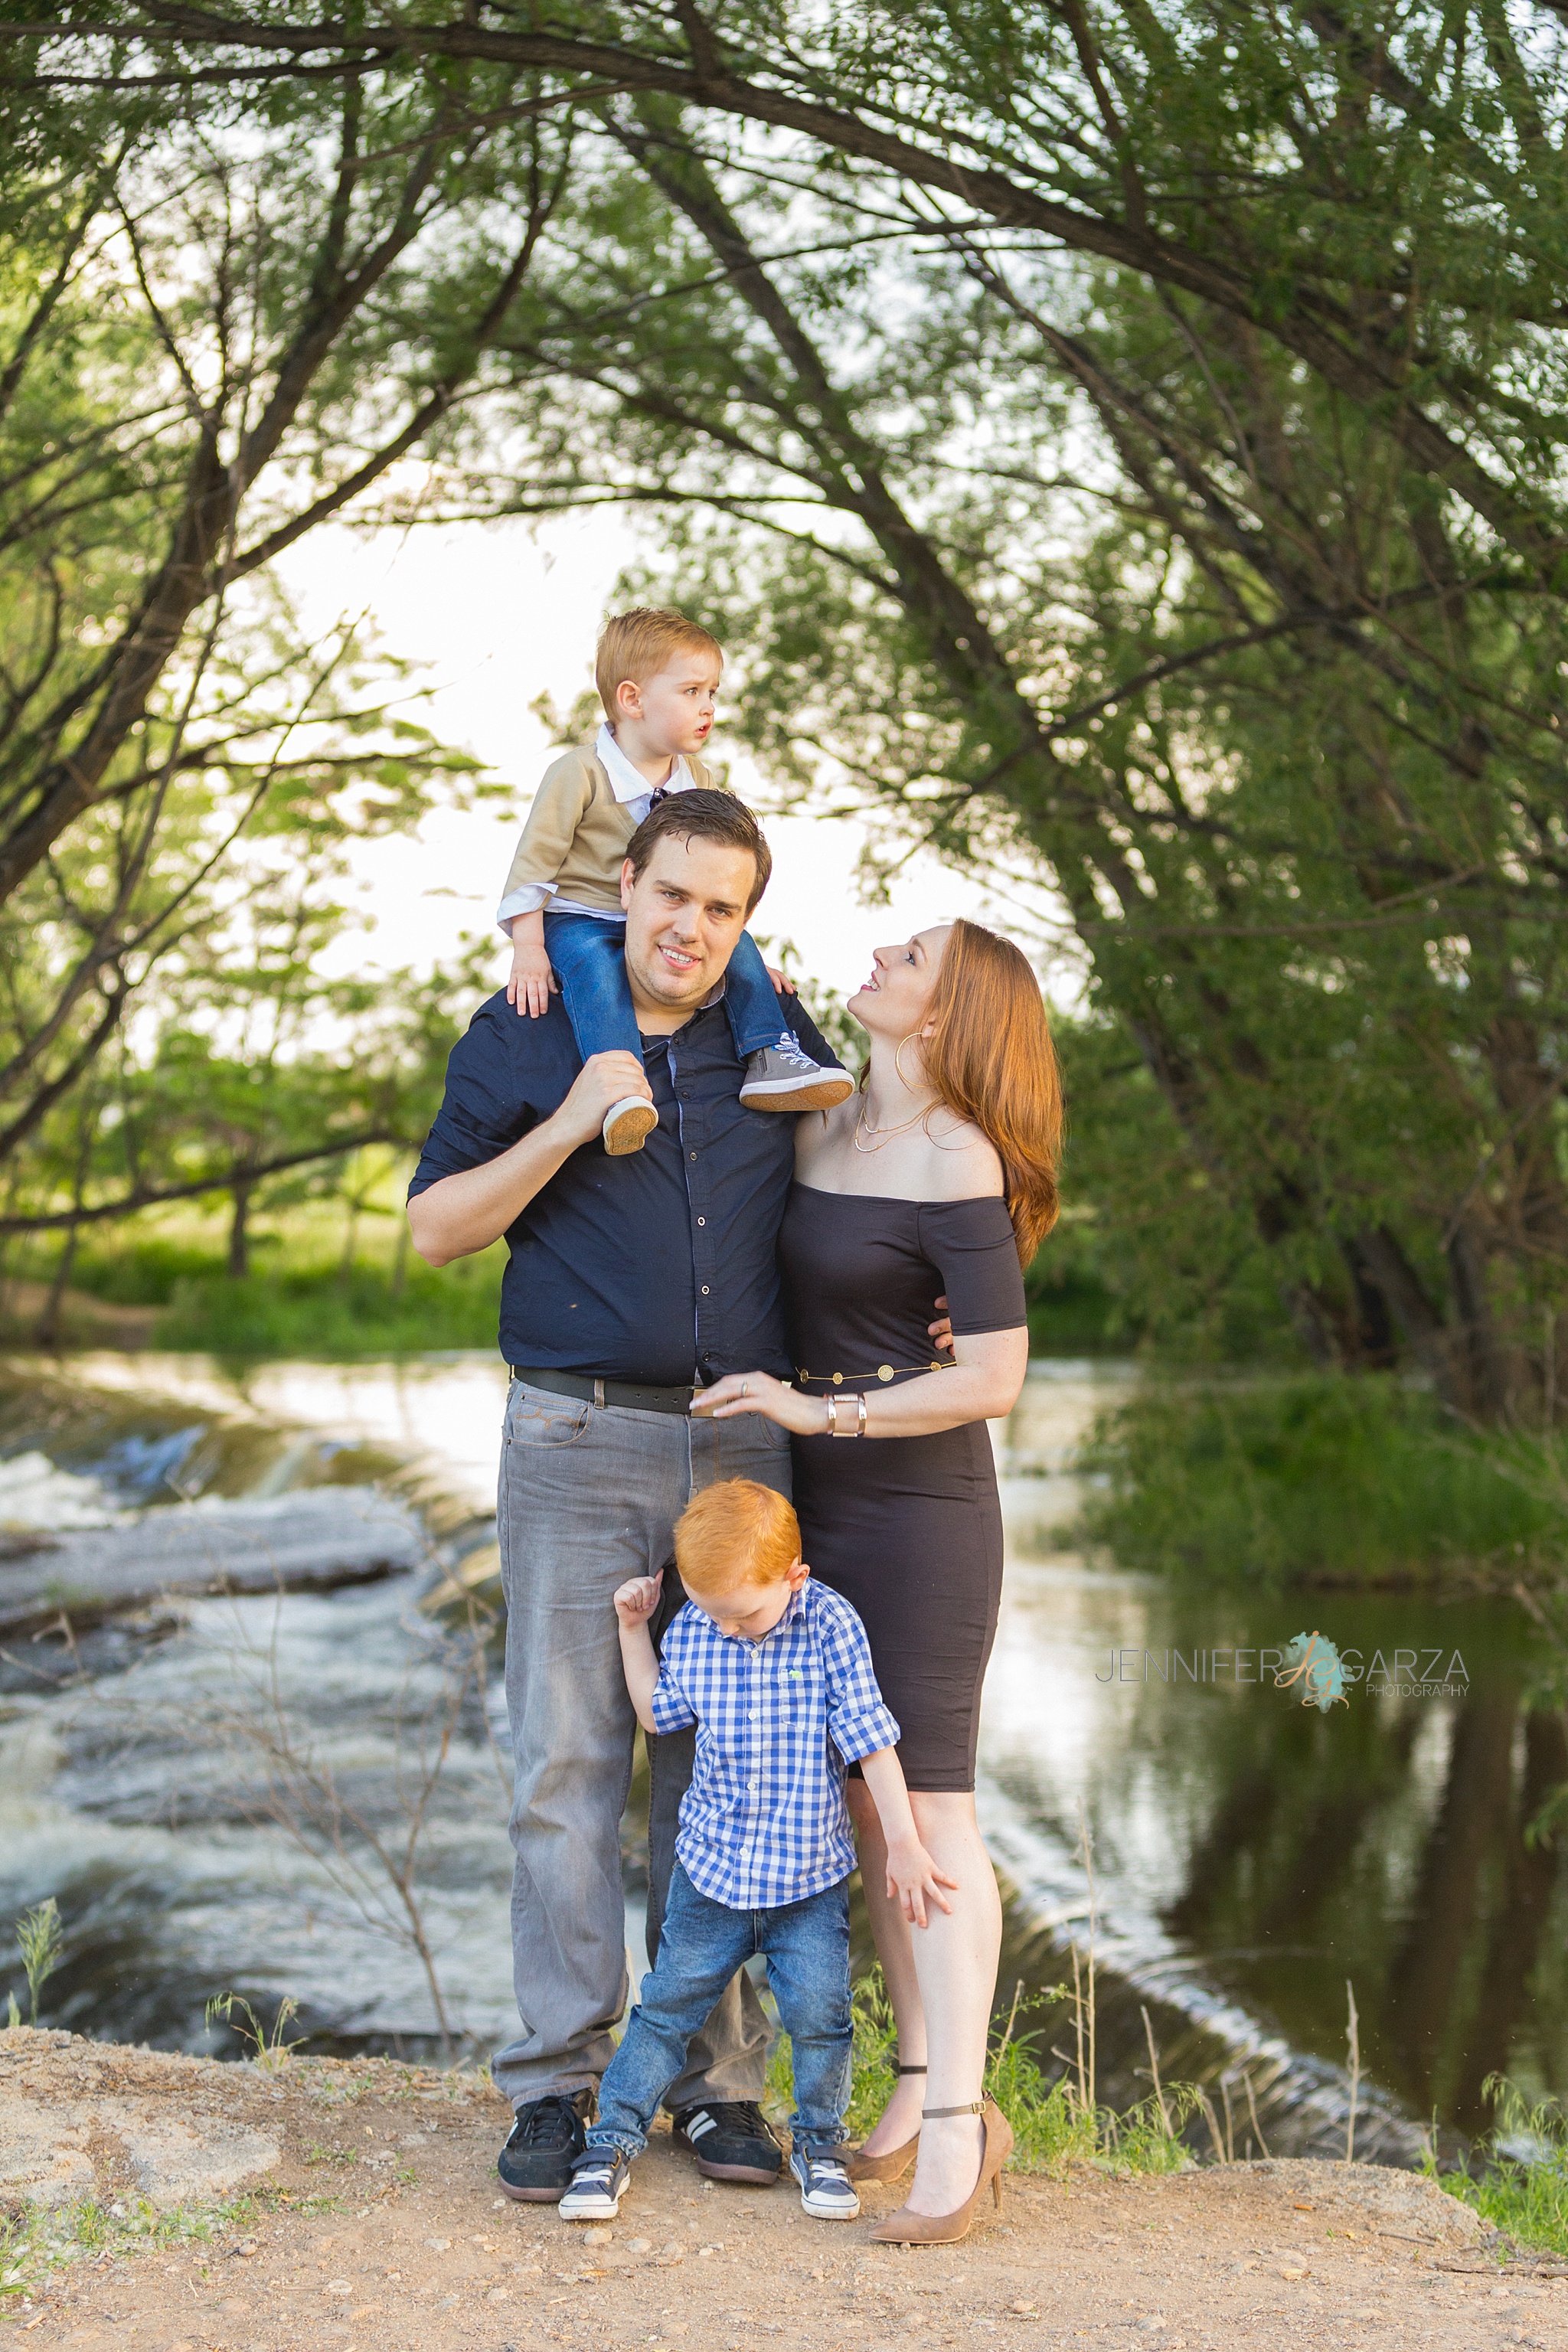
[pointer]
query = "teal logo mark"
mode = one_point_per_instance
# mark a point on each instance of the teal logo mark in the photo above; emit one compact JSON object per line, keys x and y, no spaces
{"x":1311,"y":1660}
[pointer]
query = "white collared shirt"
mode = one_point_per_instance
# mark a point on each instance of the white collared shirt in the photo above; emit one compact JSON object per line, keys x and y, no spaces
{"x":634,"y":793}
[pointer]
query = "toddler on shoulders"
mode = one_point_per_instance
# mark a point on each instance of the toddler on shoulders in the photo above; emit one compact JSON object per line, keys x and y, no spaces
{"x":658,"y":676}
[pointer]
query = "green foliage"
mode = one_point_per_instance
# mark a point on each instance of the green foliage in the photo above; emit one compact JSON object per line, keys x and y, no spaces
{"x":41,"y":1940}
{"x":317,"y":1311}
{"x":270,"y":2046}
{"x":1525,"y":2197}
{"x":1050,"y":2130}
{"x":1310,"y":1481}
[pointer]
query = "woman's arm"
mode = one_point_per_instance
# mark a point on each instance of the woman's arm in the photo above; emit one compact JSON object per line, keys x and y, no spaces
{"x":984,"y":1385}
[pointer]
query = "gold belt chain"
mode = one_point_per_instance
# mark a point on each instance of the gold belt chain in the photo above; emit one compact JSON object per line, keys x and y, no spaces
{"x":882,"y":1372}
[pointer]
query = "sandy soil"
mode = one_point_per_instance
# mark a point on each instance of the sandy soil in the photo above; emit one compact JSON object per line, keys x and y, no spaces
{"x":377,"y":2223}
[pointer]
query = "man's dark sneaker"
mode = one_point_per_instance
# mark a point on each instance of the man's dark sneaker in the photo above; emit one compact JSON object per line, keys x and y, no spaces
{"x":536,"y":2165}
{"x":730,"y":2141}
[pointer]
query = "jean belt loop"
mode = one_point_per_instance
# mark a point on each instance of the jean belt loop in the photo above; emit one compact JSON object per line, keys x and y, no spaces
{"x":598,"y":1392}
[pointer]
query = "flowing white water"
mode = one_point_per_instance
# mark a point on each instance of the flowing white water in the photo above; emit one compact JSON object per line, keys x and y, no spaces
{"x":177,"y":1795}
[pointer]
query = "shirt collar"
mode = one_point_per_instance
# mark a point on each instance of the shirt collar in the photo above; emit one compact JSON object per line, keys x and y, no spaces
{"x":624,"y":781}
{"x":794,"y":1608}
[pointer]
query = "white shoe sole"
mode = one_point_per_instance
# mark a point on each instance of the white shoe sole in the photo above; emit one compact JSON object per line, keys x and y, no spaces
{"x":829,"y":2212}
{"x":821,"y":1091}
{"x":627,"y":1125}
{"x":596,"y":2209}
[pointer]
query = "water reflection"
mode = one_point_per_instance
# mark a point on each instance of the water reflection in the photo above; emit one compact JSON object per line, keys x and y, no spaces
{"x":1255,"y":1852}
{"x":1251,"y":1853}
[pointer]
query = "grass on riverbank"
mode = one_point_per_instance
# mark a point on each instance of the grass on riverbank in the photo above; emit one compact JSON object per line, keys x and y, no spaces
{"x":1051,"y":2128}
{"x":1316,"y":1481}
{"x":308,"y":1294}
{"x":1526,"y":2199}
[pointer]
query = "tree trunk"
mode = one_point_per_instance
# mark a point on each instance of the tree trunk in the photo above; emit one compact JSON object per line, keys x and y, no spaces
{"x":239,"y":1232}
{"x":49,"y":1333}
{"x":400,"y":1259}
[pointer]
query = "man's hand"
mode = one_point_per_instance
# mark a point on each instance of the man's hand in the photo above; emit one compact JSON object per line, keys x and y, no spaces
{"x":636,"y":1601}
{"x":531,"y":982}
{"x":604,"y":1080}
{"x":914,"y":1879}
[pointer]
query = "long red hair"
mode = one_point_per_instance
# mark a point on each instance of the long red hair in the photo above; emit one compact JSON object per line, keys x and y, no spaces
{"x":992,"y":1061}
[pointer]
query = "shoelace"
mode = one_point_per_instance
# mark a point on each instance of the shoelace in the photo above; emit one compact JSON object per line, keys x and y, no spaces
{"x":547,"y":2121}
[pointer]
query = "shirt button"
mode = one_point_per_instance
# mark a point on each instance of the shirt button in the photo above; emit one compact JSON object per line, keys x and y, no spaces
{"x":756,"y":1716}
{"x":750,"y":1784}
{"x":702,"y":1221}
{"x":705,"y":1290}
{"x":691,"y":1155}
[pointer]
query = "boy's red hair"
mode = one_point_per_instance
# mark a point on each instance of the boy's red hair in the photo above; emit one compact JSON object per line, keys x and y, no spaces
{"x":733,"y":1534}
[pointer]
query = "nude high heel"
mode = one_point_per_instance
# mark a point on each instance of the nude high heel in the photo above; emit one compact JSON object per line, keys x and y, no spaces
{"x":894,"y":2162}
{"x":906,"y":2229}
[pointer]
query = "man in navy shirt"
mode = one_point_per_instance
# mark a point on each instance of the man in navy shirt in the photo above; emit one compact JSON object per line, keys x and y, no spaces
{"x":630,"y":1284}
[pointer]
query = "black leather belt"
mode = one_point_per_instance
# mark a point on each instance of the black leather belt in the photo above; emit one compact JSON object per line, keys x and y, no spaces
{"x":630,"y":1395}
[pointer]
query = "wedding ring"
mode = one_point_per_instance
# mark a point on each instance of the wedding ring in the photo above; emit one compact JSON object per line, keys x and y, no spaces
{"x":745,"y":1388}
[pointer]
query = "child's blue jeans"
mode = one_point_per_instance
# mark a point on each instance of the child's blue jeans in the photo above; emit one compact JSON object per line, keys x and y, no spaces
{"x":700,"y":1946}
{"x":589,"y":959}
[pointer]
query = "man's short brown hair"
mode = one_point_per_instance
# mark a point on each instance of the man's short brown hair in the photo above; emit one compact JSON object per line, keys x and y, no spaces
{"x":637,"y":644}
{"x":736,"y":1533}
{"x":701,"y":815}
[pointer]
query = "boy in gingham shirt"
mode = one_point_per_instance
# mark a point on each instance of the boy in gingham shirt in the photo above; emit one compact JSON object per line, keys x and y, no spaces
{"x":775,"y":1673}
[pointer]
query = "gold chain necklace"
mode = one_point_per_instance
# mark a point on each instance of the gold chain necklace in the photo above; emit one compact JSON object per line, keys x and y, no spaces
{"x":885,"y":1134}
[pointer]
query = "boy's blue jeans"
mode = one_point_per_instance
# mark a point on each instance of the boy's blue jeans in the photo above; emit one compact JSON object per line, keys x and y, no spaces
{"x":589,"y":957}
{"x":700,"y":1946}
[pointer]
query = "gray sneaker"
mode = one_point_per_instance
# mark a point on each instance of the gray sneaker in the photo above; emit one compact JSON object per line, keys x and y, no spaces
{"x":781,"y":1077}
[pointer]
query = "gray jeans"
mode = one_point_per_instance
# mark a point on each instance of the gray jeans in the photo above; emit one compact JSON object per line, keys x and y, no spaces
{"x":589,"y":1496}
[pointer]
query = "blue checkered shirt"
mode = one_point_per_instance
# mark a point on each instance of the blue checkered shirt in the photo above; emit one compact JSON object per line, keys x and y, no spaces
{"x":764,"y":1820}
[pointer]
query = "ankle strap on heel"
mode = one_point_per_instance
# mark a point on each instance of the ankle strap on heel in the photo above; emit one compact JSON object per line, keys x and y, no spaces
{"x":937,"y":2114}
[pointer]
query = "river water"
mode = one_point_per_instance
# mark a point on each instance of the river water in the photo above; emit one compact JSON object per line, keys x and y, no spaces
{"x":303,"y":1796}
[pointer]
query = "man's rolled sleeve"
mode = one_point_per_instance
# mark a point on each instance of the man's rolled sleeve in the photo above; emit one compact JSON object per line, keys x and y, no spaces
{"x":483,"y":1111}
{"x":670,"y":1708}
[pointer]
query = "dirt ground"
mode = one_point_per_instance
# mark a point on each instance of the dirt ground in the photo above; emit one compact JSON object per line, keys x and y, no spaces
{"x":376,"y":2222}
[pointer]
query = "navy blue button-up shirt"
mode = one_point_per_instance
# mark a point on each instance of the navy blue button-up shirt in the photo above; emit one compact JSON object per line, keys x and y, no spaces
{"x":659,"y":1267}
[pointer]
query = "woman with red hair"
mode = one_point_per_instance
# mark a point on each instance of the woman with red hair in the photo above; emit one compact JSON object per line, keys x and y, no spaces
{"x":938,"y":1176}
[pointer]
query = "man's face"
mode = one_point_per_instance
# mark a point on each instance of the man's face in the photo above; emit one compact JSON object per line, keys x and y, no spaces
{"x":684,"y":914}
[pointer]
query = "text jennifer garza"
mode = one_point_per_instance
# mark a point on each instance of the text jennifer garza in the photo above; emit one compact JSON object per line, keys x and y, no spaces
{"x":1412,"y":1673}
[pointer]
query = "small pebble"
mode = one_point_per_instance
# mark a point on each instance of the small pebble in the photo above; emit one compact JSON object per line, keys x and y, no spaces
{"x":600,"y":2235}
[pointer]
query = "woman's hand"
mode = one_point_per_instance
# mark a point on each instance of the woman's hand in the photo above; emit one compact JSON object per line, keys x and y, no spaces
{"x":914,"y":1880}
{"x":740,"y":1392}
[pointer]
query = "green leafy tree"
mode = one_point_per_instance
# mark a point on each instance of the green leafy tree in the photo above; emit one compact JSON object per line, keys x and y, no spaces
{"x":1125,"y":439}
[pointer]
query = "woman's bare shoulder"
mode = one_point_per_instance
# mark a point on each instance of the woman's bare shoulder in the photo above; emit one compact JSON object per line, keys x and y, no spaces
{"x":820,"y":1134}
{"x":961,"y":1163}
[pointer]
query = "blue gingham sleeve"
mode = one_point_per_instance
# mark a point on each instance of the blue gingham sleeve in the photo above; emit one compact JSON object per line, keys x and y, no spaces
{"x":859,"y":1718}
{"x":670,"y":1708}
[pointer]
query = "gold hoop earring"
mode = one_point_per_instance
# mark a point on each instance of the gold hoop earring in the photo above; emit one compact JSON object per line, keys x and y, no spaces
{"x":897,"y":1065}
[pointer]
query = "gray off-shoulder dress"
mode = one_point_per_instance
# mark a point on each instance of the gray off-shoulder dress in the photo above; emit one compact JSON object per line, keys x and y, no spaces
{"x":908,"y":1529}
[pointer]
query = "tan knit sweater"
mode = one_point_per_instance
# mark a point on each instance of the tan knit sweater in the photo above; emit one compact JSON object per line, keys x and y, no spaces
{"x":577,"y":830}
